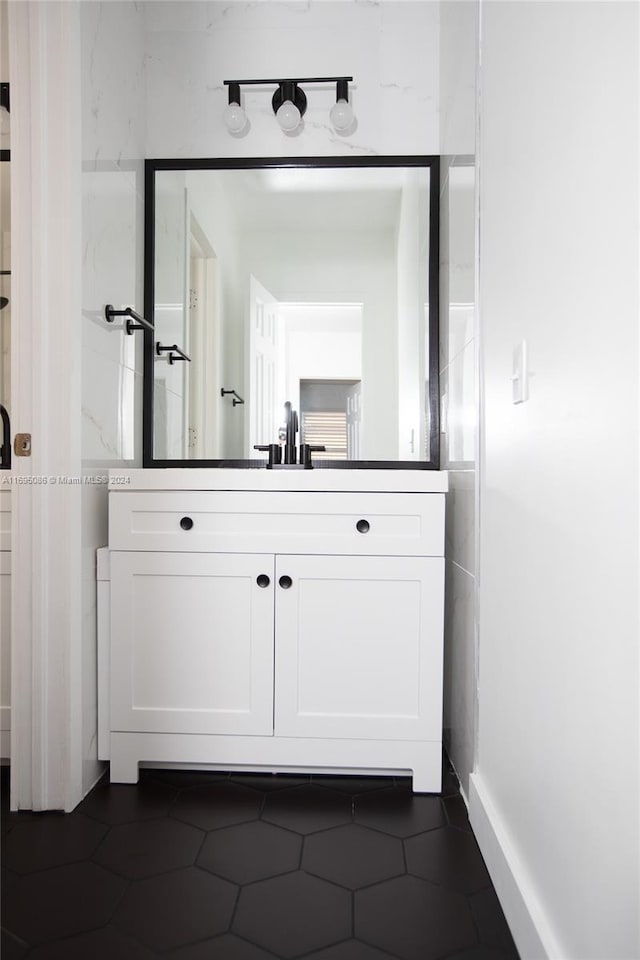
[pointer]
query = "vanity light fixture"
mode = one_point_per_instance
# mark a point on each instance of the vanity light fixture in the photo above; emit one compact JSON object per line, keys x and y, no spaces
{"x":341,"y":113}
{"x":234,"y":117}
{"x":289,"y":103}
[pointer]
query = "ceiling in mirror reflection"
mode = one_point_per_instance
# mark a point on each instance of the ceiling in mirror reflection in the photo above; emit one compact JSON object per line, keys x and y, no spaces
{"x":310,"y":199}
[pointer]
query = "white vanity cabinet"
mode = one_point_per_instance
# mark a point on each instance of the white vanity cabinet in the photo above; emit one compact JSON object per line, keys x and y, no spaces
{"x":358,"y":651}
{"x":192,"y":643}
{"x":273,"y":630}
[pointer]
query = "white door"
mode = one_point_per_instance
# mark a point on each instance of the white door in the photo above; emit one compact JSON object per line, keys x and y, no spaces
{"x":205,"y":340}
{"x":354,"y":420}
{"x":192,"y":643}
{"x":264,"y":413}
{"x":204,"y":367}
{"x":359,"y":647}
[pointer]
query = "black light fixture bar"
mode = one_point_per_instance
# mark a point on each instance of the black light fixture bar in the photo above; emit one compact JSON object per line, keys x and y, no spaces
{"x":289,"y":102}
{"x":290,"y":80}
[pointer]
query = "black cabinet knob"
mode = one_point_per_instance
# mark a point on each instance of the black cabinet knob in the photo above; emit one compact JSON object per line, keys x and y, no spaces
{"x":263,"y":580}
{"x":186,"y":523}
{"x":285,"y":582}
{"x":362,"y":526}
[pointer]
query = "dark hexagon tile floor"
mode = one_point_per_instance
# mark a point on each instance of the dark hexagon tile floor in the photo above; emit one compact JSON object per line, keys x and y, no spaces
{"x":104,"y":944}
{"x":50,"y":840}
{"x":60,"y":902}
{"x":218,"y":805}
{"x":293,"y":914}
{"x":144,"y":849}
{"x":353,"y":856}
{"x":114,"y":803}
{"x":413,"y":919}
{"x":399,"y":812}
{"x":250,"y":851}
{"x":227,"y":947}
{"x":307,"y":809}
{"x":351,"y":950}
{"x":449,"y":857}
{"x":176,"y":908}
{"x":191,"y":865}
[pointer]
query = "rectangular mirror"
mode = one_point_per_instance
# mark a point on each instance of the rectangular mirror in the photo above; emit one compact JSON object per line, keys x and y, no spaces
{"x":312,"y":281}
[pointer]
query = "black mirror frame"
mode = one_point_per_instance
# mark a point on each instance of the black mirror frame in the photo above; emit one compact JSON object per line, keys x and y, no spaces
{"x":244,"y":163}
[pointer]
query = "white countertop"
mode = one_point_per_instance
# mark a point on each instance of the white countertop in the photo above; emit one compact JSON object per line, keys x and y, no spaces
{"x":203,"y":478}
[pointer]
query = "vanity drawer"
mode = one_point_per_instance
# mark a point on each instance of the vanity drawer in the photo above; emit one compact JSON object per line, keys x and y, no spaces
{"x":405,"y":524}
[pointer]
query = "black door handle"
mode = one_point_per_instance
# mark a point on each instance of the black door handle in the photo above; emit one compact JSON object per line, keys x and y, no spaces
{"x":362,"y":526}
{"x":5,"y":450}
{"x":263,"y":580}
{"x":285,"y":582}
{"x":186,"y":523}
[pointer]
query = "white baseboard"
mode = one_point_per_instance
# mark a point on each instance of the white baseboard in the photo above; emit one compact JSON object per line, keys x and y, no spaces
{"x":527,"y":919}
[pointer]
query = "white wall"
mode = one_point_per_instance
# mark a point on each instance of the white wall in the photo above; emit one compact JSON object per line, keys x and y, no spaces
{"x":113,"y":127}
{"x":458,"y":384}
{"x":319,"y":342}
{"x":555,"y":797}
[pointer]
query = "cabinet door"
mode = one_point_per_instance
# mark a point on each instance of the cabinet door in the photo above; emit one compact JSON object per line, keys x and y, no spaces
{"x":359,"y":647}
{"x":191,"y":643}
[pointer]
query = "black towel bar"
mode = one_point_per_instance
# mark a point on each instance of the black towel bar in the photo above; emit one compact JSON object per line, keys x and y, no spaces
{"x":134,"y":320}
{"x":174,"y":351}
{"x":236,"y":396}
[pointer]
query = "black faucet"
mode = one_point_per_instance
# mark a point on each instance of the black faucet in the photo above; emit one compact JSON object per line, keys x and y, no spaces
{"x":288,"y":435}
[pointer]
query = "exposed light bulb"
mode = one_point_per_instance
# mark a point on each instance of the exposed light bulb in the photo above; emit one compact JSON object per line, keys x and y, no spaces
{"x":235,"y":118}
{"x":288,"y":116}
{"x":341,"y":115}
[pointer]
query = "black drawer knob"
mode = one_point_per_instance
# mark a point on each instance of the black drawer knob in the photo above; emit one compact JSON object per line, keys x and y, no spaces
{"x":285,"y":582}
{"x":186,"y":523}
{"x":362,"y":526}
{"x":263,"y":580}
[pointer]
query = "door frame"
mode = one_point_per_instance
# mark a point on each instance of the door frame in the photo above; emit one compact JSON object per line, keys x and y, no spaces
{"x":46,"y":198}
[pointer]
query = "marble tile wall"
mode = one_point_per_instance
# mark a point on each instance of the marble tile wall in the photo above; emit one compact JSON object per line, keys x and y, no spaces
{"x":390,"y":48}
{"x":113,"y":151}
{"x":458,"y":376}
